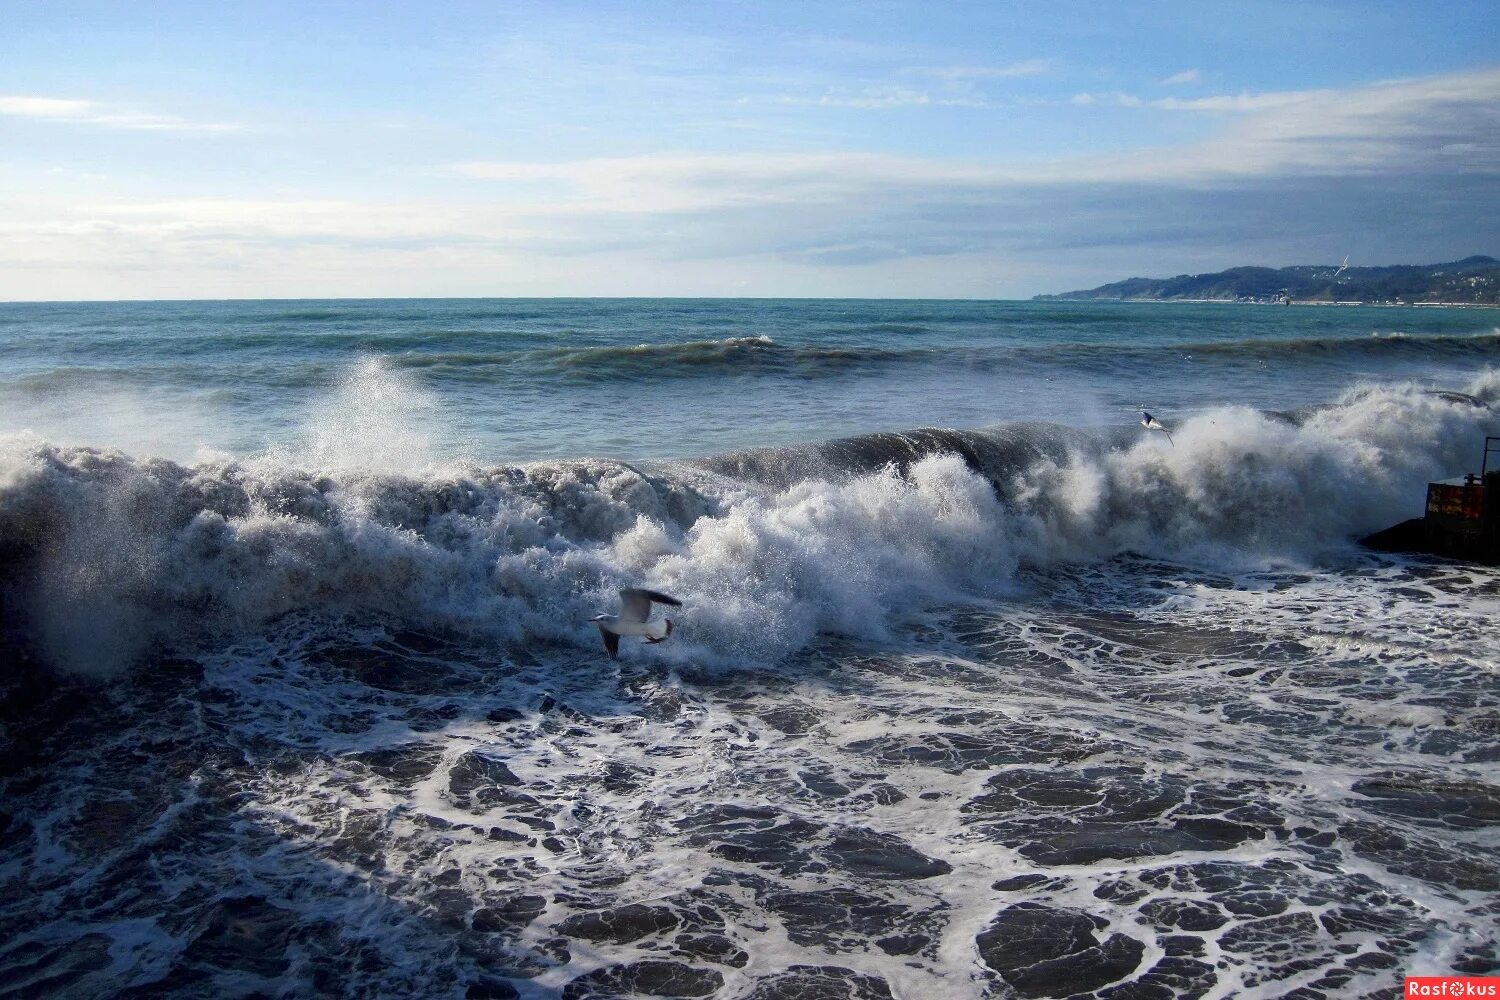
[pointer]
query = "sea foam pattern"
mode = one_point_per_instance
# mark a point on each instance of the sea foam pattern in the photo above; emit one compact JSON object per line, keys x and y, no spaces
{"x":1046,"y":708}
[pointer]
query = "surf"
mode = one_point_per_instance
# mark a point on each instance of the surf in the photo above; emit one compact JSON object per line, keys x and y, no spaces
{"x":113,"y":557}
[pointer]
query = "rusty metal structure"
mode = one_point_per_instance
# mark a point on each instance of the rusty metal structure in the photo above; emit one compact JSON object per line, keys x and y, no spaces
{"x":1462,"y":519}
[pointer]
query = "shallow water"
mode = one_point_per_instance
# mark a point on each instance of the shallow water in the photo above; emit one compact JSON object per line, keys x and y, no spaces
{"x":1137,"y":773}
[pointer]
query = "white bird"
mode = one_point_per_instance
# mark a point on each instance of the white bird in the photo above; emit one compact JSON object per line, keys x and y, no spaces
{"x":634,"y":619}
{"x":1152,"y":424}
{"x":1342,"y":267}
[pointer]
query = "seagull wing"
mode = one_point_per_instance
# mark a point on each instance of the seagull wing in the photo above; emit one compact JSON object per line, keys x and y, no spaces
{"x":636,"y":603}
{"x":635,"y":606}
{"x":611,"y":642}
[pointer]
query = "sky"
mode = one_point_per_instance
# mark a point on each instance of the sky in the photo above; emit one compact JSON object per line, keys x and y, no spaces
{"x":730,"y":147}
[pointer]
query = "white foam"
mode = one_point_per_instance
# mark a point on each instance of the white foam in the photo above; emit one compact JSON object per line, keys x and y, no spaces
{"x":132,"y":553}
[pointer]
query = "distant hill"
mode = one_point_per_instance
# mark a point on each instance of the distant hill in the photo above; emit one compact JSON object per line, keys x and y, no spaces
{"x":1471,"y":281}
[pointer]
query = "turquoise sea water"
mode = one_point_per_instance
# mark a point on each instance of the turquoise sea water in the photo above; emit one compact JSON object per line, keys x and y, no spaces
{"x":517,"y":380}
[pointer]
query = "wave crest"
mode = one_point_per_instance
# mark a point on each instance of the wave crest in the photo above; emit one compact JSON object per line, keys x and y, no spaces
{"x":108,"y":557}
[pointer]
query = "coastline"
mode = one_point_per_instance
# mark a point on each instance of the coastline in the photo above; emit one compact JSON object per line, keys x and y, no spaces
{"x":1293,"y":302}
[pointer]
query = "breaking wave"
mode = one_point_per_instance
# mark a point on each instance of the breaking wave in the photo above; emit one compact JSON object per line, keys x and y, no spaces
{"x":109,"y":557}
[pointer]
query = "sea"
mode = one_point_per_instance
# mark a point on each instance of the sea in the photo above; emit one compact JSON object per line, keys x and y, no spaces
{"x":979,"y":687}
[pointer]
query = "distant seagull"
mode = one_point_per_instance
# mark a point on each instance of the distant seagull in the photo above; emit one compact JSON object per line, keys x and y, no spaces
{"x":634,"y":619}
{"x":1342,"y":267}
{"x":1151,"y":424}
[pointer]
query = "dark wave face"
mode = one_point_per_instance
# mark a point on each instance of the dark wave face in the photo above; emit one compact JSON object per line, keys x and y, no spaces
{"x":762,"y":356}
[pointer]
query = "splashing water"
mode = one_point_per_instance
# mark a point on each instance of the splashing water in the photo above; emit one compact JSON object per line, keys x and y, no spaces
{"x":1037,"y":709}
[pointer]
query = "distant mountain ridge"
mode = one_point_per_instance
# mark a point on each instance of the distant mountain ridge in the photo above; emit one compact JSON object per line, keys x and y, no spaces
{"x":1471,"y":281}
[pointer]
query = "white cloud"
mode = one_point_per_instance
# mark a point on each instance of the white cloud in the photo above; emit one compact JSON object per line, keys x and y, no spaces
{"x":1235,"y":102}
{"x":44,"y":107}
{"x":1400,"y":162}
{"x":80,"y":112}
{"x":1220,"y":103}
{"x":1401,"y":126}
{"x":1186,"y":76}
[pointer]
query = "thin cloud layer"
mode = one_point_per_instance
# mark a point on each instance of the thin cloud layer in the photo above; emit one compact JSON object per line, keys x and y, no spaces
{"x":81,"y":112}
{"x":1010,"y":71}
{"x":1439,"y":124}
{"x":1289,"y":177}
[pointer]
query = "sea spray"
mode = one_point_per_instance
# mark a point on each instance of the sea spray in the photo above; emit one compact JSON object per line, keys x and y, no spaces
{"x":121,"y":555}
{"x":1043,"y":706}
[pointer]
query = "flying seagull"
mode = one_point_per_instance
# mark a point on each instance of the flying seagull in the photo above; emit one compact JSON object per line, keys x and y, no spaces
{"x":1152,"y":424}
{"x":1342,"y":267}
{"x":634,"y":619}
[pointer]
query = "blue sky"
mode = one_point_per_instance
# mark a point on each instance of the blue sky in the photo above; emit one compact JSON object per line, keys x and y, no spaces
{"x":732,"y":148}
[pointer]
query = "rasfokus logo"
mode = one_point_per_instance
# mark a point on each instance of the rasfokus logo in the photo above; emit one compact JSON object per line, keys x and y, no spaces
{"x":1452,"y":987}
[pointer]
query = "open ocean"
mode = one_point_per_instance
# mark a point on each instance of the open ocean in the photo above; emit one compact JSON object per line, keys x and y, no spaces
{"x":980,"y":689}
